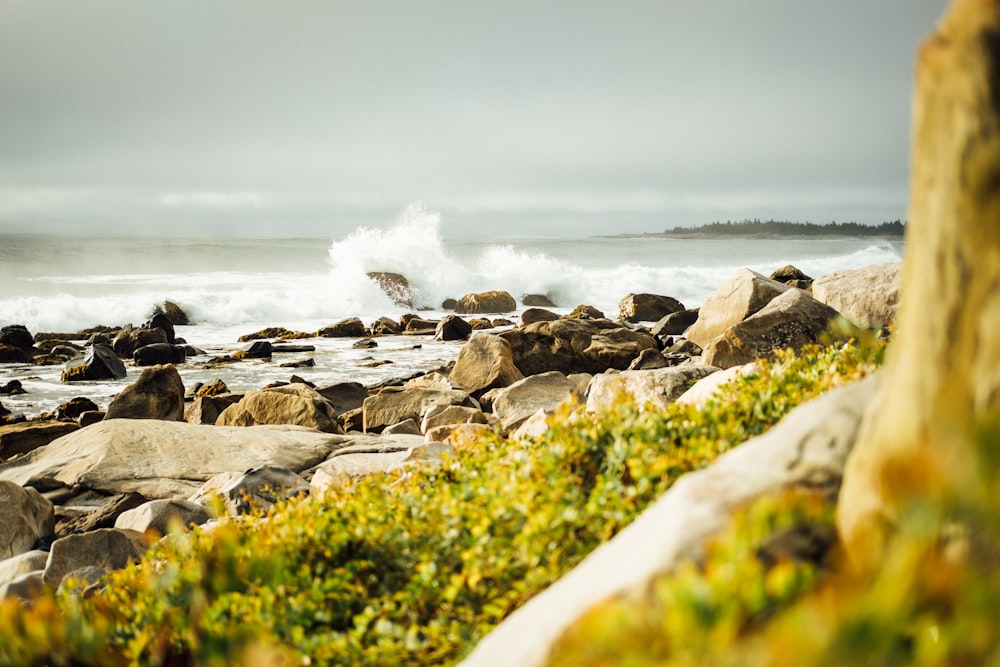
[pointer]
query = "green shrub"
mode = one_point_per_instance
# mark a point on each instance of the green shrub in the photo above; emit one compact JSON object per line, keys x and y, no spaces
{"x":410,"y":569}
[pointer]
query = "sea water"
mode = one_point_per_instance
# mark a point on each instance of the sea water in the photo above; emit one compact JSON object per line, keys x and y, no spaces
{"x":234,"y":286}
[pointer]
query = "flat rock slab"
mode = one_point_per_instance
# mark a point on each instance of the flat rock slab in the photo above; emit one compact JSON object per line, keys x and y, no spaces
{"x":162,"y":459}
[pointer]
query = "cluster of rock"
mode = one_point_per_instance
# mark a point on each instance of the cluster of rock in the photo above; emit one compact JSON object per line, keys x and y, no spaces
{"x":87,"y":492}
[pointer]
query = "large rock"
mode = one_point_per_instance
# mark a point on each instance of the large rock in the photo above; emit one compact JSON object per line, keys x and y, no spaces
{"x":160,"y":516}
{"x":367,"y":455}
{"x":513,"y":405}
{"x":572,"y":345}
{"x":100,"y":363}
{"x":344,"y":396}
{"x":790,"y":275}
{"x":791,"y":320}
{"x":108,"y":548}
{"x":16,"y":344}
{"x":496,"y":301}
{"x":396,"y":286}
{"x":161,"y":321}
{"x":131,"y":339}
{"x":352,"y":327}
{"x":733,"y":302}
{"x":26,"y":517}
{"x":161,"y":459}
{"x":647,"y":307}
{"x":256,"y":489}
{"x":676,"y":323}
{"x":485,"y":362}
{"x":656,"y":388}
{"x":702,"y":391}
{"x":28,"y":436}
{"x":159,"y":353}
{"x":532,"y":315}
{"x":296,"y":404}
{"x":452,"y":327}
{"x":395,"y":404}
{"x":157,"y":393}
{"x":868,"y":296}
{"x":808,"y":448}
{"x":174,"y":313}
{"x":30,"y":561}
{"x":206,"y":409}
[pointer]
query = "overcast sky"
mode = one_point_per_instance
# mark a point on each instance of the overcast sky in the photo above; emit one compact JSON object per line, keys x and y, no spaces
{"x":515,"y":116}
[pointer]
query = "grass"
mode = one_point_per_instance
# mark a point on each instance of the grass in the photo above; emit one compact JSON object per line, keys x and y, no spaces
{"x":414,"y":569}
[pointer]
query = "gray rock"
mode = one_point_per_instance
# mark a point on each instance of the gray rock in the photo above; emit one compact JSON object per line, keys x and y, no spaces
{"x":158,"y":393}
{"x":366,"y":455}
{"x":516,"y":403}
{"x":108,"y":548}
{"x":675,"y":324}
{"x":22,"y":564}
{"x":26,"y":517}
{"x":165,"y":459}
{"x":395,"y":404}
{"x":733,"y":302}
{"x":100,"y":363}
{"x":26,"y":587}
{"x":868,"y":296}
{"x":161,"y":515}
{"x":159,"y":353}
{"x":256,"y":489}
{"x":808,"y":448}
{"x":655,"y":388}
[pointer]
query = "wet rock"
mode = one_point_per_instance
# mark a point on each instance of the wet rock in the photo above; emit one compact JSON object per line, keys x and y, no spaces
{"x":260,"y":349}
{"x":384,"y":326}
{"x":100,"y":363}
{"x":537,"y":301}
{"x":495,"y":301}
{"x":396,"y":286}
{"x":645,"y":307}
{"x":160,"y":353}
{"x":452,"y":327}
{"x":351,"y":327}
{"x":364,"y":344}
{"x":161,"y":321}
{"x":12,"y":388}
{"x":484,"y":362}
{"x":157,"y":393}
{"x":532,"y":315}
{"x":75,"y":407}
{"x":585,"y":312}
{"x":174,"y":313}
{"x":131,"y":339}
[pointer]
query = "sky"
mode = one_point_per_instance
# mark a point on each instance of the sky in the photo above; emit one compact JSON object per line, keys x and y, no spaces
{"x":508,"y":117}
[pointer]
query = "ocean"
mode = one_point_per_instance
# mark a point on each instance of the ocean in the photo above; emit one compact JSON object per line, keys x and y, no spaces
{"x":234,"y":286}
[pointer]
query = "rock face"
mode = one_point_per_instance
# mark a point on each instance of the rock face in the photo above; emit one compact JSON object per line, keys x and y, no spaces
{"x":108,"y":548}
{"x":513,"y":405}
{"x":867,"y":296}
{"x":808,"y":448}
{"x":100,"y":363}
{"x":395,"y":404}
{"x":496,"y":301}
{"x":158,"y":393}
{"x":26,"y":517}
{"x":162,"y":459}
{"x":452,"y":327}
{"x":655,"y":388}
{"x":396,"y":286}
{"x":733,"y":302}
{"x":793,"y":319}
{"x":647,"y":307}
{"x":28,"y":436}
{"x":483,"y":363}
{"x":295,"y":404}
{"x":575,"y":346}
{"x":352,"y":327}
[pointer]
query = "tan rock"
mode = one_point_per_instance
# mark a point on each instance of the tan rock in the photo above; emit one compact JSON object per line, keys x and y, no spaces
{"x":733,"y":302}
{"x":26,"y":517}
{"x":158,"y":393}
{"x":867,"y":297}
{"x":485,"y":362}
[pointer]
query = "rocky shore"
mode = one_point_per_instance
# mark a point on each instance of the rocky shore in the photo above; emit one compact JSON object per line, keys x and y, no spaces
{"x":87,"y":490}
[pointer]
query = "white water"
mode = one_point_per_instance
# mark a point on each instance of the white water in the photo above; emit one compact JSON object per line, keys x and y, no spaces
{"x":230,"y":287}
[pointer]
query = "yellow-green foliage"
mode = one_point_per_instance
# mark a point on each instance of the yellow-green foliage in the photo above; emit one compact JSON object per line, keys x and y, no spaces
{"x":410,"y":569}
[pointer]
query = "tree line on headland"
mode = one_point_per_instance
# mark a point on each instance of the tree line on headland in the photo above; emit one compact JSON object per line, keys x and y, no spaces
{"x":755,"y":227}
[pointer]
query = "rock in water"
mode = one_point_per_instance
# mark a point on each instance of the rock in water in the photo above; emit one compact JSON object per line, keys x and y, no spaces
{"x":100,"y":363}
{"x":647,"y":307}
{"x":158,"y":393}
{"x":496,"y":301}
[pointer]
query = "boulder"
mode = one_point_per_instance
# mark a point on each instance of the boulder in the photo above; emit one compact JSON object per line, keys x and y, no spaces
{"x":109,"y":548}
{"x":867,"y":297}
{"x":807,"y":449}
{"x":90,"y":417}
{"x":17,"y":335}
{"x":513,"y":405}
{"x":160,"y":516}
{"x":73,"y":408}
{"x":585,"y":312}
{"x":656,"y":388}
{"x":26,"y":517}
{"x":791,"y":320}
{"x":396,"y":404}
{"x":25,"y":437}
{"x":158,"y":393}
{"x":789,"y":275}
{"x":675,"y":324}
{"x":449,"y":304}
{"x":14,"y":355}
{"x":344,"y":396}
{"x":485,"y":362}
{"x":259,"y":349}
{"x":162,"y":459}
{"x":647,"y":360}
{"x":26,"y":587}
{"x":571,"y":345}
{"x":206,"y":409}
{"x":647,"y":307}
{"x":532,"y":315}
{"x":161,"y":321}
{"x":295,"y":404}
{"x":103,"y":517}
{"x":537,"y":301}
{"x":160,"y":353}
{"x":364,"y":344}
{"x":444,"y":415}
{"x":454,"y":435}
{"x":405,"y":427}
{"x":100,"y":363}
{"x":27,"y":562}
{"x":413,"y":324}
{"x":496,"y":301}
{"x":452,"y":327}
{"x":214,"y":387}
{"x":733,"y":302}
{"x":174,"y":313}
{"x":368,"y":455}
{"x":131,"y":339}
{"x":384,"y":326}
{"x":12,"y":388}
{"x":702,"y":391}
{"x":351,"y":327}
{"x":396,"y":286}
{"x":256,"y":489}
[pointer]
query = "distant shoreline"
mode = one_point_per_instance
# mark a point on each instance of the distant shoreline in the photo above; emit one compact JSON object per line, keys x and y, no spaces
{"x":776,"y":229}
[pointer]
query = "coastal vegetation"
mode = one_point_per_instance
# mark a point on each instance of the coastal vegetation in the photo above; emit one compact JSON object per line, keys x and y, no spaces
{"x":758,"y":228}
{"x":411,"y":568}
